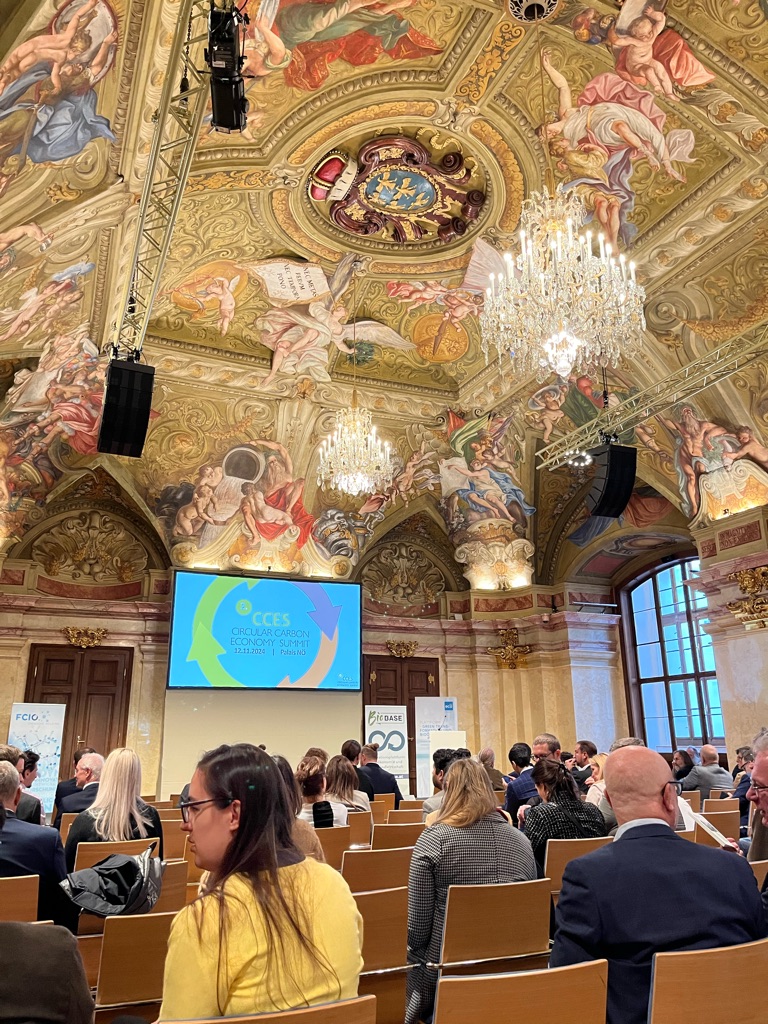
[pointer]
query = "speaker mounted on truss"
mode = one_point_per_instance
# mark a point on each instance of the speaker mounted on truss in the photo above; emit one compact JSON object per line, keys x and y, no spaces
{"x":127,"y":405}
{"x":614,"y":480}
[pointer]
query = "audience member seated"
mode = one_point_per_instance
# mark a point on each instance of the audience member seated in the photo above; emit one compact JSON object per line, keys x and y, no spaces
{"x":117,"y":813}
{"x":29,"y":773}
{"x":487,"y":759}
{"x":303,"y":834}
{"x":743,"y":755}
{"x":351,"y":750}
{"x":649,"y":891}
{"x":27,"y":849}
{"x":316,"y":808}
{"x":42,"y":980}
{"x":521,"y":789}
{"x":471,"y":843}
{"x":596,"y":787}
{"x":319,"y":753}
{"x":583,"y":752}
{"x":682,"y":764}
{"x":742,"y":788}
{"x":441,"y":759}
{"x":69,"y":786}
{"x":561,"y":814}
{"x":87,"y":777}
{"x":29,"y":807}
{"x":605,"y":808}
{"x":342,"y":783}
{"x":381,"y":781}
{"x":289,"y":929}
{"x":708,"y":775}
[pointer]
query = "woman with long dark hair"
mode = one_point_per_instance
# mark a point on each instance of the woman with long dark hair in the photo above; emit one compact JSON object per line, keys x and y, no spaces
{"x":274,"y":930}
{"x":561,"y":813}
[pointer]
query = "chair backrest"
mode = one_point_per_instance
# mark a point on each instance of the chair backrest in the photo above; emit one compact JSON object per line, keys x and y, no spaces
{"x":693,"y":796}
{"x":365,"y":870}
{"x":174,"y":840}
{"x":501,"y":796}
{"x":169,"y":814}
{"x":715,"y":806}
{"x":411,"y":805}
{"x":385,"y":798}
{"x":385,"y":927}
{"x":689,"y":835}
{"x":334,"y":842}
{"x":89,"y":854}
{"x":360,"y":825}
{"x":66,"y":824}
{"x":564,"y":991}
{"x":174,"y":798}
{"x":727,"y":823}
{"x":405,"y":817}
{"x":379,"y":812}
{"x":478,"y":918}
{"x":18,"y":898}
{"x":391,"y":837}
{"x":163,"y":805}
{"x":149,"y":799}
{"x":561,"y":851}
{"x":689,"y":986}
{"x":173,"y":893}
{"x":349,"y":1011}
{"x":760,"y":869}
{"x":133,"y":958}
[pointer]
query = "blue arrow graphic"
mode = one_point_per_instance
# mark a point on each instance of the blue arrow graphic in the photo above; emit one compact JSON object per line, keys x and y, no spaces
{"x":326,"y":614}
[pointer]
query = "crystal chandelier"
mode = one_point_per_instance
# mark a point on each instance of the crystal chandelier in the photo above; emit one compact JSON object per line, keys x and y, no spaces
{"x":354,"y":459}
{"x":560,"y":305}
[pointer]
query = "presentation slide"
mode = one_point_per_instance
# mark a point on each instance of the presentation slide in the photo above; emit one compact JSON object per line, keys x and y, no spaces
{"x":264,"y":633}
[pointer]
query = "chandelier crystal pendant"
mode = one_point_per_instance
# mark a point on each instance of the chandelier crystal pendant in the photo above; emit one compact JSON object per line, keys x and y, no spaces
{"x":560,"y":305}
{"x":354,"y":459}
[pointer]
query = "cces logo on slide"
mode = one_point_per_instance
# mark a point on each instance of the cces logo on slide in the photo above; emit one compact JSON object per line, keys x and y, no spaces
{"x":244,"y":607}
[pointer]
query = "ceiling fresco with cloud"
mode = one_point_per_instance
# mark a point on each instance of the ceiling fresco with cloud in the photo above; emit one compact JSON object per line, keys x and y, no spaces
{"x":346,"y":237}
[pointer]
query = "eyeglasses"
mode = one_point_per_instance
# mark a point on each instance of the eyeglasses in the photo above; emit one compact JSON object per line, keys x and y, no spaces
{"x":185,"y":805}
{"x":758,"y":789}
{"x":676,"y":785}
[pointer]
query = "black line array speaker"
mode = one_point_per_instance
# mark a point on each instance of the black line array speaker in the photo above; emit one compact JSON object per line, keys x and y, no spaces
{"x":127,"y":405}
{"x":615,"y":466}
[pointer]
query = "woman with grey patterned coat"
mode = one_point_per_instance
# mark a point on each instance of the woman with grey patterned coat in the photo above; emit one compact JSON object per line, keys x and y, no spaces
{"x":470,"y":843}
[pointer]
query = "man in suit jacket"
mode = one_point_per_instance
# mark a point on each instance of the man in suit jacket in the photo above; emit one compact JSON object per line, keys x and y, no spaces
{"x":55,"y":989}
{"x":69,"y":786}
{"x":708,"y":775}
{"x":30,"y":809}
{"x":441,"y":759}
{"x":27,"y":849}
{"x":649,"y":891}
{"x":381,"y":781}
{"x":87,"y":775}
{"x":351,"y":750}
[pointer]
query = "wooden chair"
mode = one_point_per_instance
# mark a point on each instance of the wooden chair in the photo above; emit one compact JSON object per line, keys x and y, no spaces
{"x":66,"y":824}
{"x":727,"y":823}
{"x":715,"y":806}
{"x":89,"y":948}
{"x":689,"y":835}
{"x":379,"y":812}
{"x":18,"y":898}
{"x":392,"y":837}
{"x":89,"y":854}
{"x":385,"y":798}
{"x":173,"y":894}
{"x":561,"y":851}
{"x":132,"y":960}
{"x":693,"y":797}
{"x":169,"y":814}
{"x":477,"y":935}
{"x":385,"y":960}
{"x":487,"y":999}
{"x":360,"y":825}
{"x":405,"y":817}
{"x":174,"y":840}
{"x":365,"y":870}
{"x":149,"y":799}
{"x":410,"y":805}
{"x":166,"y":805}
{"x":349,"y":1011}
{"x":760,"y":870}
{"x":334,"y":842}
{"x":690,"y":985}
{"x":501,"y":796}
{"x":174,"y":798}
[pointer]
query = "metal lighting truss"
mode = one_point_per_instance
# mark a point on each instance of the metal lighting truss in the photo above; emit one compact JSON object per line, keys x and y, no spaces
{"x":679,"y":386}
{"x":178,"y":119}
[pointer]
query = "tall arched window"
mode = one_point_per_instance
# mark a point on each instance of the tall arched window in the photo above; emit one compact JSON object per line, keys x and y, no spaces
{"x":674,"y":696}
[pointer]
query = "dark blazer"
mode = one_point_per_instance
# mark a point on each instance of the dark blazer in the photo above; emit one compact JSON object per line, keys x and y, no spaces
{"x":65,"y":788}
{"x":519,"y":792}
{"x":78,"y":801}
{"x":54,"y":990}
{"x":381,"y":781}
{"x":29,"y":809}
{"x":27,"y":849}
{"x":364,"y":783}
{"x":651,"y":892}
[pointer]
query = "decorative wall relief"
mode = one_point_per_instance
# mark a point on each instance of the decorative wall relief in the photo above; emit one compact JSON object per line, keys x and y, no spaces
{"x":90,"y":547}
{"x":402,"y":574}
{"x":494,"y":562}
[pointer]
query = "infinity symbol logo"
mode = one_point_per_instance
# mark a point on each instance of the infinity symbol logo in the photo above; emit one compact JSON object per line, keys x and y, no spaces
{"x":385,"y":743}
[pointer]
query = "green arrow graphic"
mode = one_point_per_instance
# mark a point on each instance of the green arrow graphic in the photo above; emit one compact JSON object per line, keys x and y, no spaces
{"x":205,"y":649}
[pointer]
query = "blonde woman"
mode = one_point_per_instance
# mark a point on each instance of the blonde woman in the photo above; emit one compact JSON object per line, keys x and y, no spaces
{"x":342,"y":785}
{"x":117,"y":814}
{"x":470,"y":843}
{"x":596,"y":785}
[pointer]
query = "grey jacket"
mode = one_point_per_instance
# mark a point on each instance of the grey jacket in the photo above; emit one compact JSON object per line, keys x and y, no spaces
{"x":706,"y":777}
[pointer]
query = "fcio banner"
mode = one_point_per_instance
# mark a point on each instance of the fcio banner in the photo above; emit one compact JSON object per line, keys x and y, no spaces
{"x":387,"y":725}
{"x":40,"y":727}
{"x":433,"y":714}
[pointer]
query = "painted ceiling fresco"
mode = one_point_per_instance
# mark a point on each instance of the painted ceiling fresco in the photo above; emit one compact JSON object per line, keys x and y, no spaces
{"x":346,"y":237}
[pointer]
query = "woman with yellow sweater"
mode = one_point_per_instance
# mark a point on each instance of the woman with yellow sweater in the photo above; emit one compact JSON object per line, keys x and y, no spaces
{"x":274,"y":930}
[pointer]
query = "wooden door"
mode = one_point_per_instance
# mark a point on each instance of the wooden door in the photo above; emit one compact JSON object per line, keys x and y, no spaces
{"x":390,"y":680}
{"x":94,"y":684}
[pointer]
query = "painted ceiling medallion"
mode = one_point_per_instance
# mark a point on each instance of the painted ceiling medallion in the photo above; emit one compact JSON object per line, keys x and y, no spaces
{"x":394,"y":190}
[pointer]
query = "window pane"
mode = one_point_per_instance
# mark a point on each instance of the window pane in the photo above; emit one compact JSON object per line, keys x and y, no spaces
{"x":649,"y":663}
{"x":677,"y":647}
{"x":655,"y":716}
{"x":686,"y":713}
{"x":704,"y":647}
{"x":642,"y":597}
{"x":713,"y":711}
{"x":646,"y":627}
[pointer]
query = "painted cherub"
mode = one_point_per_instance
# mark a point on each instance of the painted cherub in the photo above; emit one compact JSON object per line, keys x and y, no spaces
{"x":749,"y":447}
{"x":641,"y":35}
{"x":254,"y":510}
{"x":56,"y":48}
{"x":190,"y":518}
